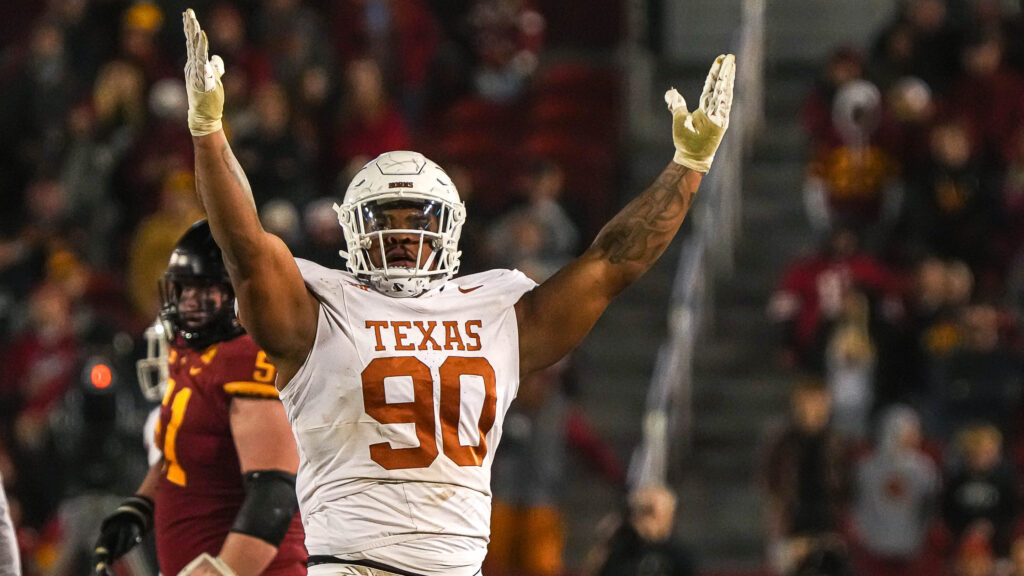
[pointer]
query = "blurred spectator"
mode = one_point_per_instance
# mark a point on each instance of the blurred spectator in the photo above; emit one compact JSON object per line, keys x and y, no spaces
{"x":538,"y":235}
{"x":974,"y":555}
{"x":295,"y":40}
{"x":850,"y":357}
{"x":988,"y":15}
{"x":119,"y":96}
{"x":324,"y":237}
{"x":101,"y":135}
{"x":854,"y":179}
{"x":1010,"y":204}
{"x":1017,"y":556}
{"x":48,"y":214}
{"x":950,"y":210}
{"x":932,"y":38}
{"x":911,"y":108}
{"x":508,"y":36}
{"x":895,"y":497}
{"x":527,"y":529}
{"x":812,"y":289}
{"x":542,"y":430}
{"x":39,"y":366}
{"x":844,"y":64}
{"x":97,"y":299}
{"x":806,"y":478}
{"x":825,"y":557}
{"x":414,"y":42}
{"x":274,"y":160}
{"x":931,"y":326}
{"x":980,"y":380}
{"x":49,"y":88}
{"x":22,"y":264}
{"x":121,"y":114}
{"x":139,"y":42}
{"x":280,"y":217}
{"x":979,"y":496}
{"x":250,"y":68}
{"x":988,"y":96}
{"x":155,"y":237}
{"x":1015,"y":285}
{"x":165,"y":148}
{"x":369,"y":122}
{"x":473,"y":241}
{"x":402,"y":37}
{"x":643,"y":543}
{"x":892,"y":56}
{"x":87,"y":172}
{"x":1013,"y":32}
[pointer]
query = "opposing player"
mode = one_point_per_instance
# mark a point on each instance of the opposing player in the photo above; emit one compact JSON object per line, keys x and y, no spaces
{"x":222,"y":497}
{"x":395,"y":376}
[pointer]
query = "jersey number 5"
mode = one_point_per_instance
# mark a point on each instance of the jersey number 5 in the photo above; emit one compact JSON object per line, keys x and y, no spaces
{"x":420,"y":411}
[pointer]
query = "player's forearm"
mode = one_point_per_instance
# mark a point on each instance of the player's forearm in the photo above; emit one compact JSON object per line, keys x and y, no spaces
{"x":227,"y":198}
{"x":246,"y":555}
{"x":634,"y":239}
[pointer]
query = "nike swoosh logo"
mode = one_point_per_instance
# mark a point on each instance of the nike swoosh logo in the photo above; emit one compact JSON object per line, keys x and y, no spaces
{"x":468,"y":290}
{"x":194,"y":370}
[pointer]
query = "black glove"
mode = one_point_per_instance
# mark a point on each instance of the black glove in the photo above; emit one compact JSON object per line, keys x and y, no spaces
{"x":121,"y":531}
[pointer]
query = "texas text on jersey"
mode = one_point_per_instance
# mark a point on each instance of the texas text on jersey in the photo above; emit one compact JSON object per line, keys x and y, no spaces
{"x":398,"y":412}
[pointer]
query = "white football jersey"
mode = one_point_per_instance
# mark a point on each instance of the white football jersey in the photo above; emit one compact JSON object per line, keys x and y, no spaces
{"x":397,"y":413}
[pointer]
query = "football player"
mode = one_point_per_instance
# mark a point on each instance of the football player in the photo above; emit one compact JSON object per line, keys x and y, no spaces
{"x":221,"y":499}
{"x":395,"y":375}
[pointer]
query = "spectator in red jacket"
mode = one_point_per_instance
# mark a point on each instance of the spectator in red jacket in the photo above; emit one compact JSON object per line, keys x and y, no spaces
{"x":812,"y":288}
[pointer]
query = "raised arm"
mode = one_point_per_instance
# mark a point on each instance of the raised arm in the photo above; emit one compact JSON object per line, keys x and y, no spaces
{"x":274,"y":305}
{"x":556,"y":316}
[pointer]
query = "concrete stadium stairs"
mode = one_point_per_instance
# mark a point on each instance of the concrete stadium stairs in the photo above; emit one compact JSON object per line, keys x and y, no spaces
{"x":738,"y":386}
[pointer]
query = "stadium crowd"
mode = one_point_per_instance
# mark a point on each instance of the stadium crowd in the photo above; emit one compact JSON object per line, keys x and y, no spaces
{"x":904,"y":452}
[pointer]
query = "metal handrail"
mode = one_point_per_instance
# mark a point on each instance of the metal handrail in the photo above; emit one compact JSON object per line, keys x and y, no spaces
{"x":708,"y":253}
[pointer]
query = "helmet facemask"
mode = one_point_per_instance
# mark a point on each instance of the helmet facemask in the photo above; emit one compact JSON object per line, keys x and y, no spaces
{"x":153,"y":370}
{"x":402,"y":219}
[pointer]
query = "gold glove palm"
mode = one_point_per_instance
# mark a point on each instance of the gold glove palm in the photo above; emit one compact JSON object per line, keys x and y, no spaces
{"x":698,"y":135}
{"x":202,"y":80}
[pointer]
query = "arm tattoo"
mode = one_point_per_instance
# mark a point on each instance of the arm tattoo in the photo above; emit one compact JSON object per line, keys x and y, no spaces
{"x":646,"y":225}
{"x":236,"y":170}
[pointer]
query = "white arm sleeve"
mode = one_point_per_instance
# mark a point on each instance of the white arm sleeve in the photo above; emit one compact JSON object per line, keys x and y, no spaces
{"x":10,"y":562}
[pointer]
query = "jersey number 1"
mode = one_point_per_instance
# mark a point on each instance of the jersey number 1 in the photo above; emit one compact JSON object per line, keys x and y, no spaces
{"x":420,"y":411}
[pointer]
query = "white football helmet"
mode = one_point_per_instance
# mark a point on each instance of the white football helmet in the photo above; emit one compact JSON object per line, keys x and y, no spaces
{"x":402,"y":179}
{"x":153,"y":370}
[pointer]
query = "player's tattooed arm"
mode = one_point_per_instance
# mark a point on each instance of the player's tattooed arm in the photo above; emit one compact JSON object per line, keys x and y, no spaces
{"x":227,"y":198}
{"x":634,"y":239}
{"x":643,"y":229}
{"x":275,"y":306}
{"x":231,"y":163}
{"x":624,"y":249}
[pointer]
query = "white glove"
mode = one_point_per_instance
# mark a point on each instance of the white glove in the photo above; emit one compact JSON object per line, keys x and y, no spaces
{"x":698,"y":135}
{"x":206,"y":564}
{"x":202,"y":80}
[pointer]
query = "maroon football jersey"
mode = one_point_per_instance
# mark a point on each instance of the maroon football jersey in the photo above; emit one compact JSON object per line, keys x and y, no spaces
{"x":202,"y":486}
